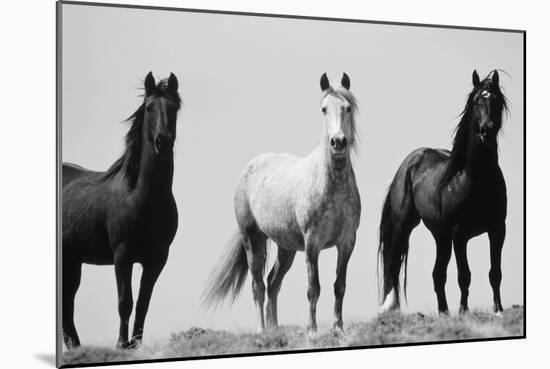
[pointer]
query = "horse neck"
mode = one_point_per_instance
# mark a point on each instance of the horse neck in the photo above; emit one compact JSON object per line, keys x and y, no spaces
{"x":155,"y":175}
{"x":480,"y":161}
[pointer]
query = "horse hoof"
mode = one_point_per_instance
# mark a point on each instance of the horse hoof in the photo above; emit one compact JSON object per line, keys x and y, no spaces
{"x":499,"y":314}
{"x":260,"y":330}
{"x":123,"y":345}
{"x":311,"y":333}
{"x":338,"y":325}
{"x":72,"y":347}
{"x":134,"y":344}
{"x":338,"y":330}
{"x":386,"y":309}
{"x":390,"y":303}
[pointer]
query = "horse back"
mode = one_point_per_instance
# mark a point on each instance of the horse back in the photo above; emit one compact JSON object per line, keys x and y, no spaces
{"x":463,"y":200}
{"x":268,"y":177}
{"x":265,"y":198}
{"x":70,"y":172}
{"x":415,"y":185}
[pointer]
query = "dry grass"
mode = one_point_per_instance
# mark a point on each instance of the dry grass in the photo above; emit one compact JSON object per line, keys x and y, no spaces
{"x":389,"y":328}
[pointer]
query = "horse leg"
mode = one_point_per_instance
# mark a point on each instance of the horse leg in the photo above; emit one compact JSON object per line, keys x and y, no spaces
{"x":464,"y":275}
{"x":123,"y":273}
{"x":344,"y":253}
{"x":283,"y":263}
{"x":439,"y":274}
{"x":314,"y":288}
{"x":255,"y":247}
{"x":496,"y":240}
{"x":149,"y":277}
{"x":72,"y":272}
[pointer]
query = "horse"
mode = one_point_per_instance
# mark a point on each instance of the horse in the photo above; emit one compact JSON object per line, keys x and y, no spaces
{"x":458,"y":194}
{"x":125,"y":215}
{"x":302,"y":204}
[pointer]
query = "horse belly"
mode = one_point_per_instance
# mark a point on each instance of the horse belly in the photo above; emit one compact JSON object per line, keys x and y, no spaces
{"x":336,"y":225}
{"x":87,"y":245}
{"x":286,"y":236}
{"x":273,"y":214}
{"x":100,"y":254}
{"x":476,"y":216}
{"x":84,"y":236}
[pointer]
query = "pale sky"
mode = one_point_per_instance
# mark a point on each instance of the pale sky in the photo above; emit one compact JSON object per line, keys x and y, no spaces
{"x":250,"y":85}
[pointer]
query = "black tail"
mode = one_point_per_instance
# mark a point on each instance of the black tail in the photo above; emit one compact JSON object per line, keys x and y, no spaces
{"x":393,"y":250}
{"x":229,"y":276}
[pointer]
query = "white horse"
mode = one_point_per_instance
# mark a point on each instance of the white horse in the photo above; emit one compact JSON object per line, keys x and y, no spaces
{"x":307,"y":204}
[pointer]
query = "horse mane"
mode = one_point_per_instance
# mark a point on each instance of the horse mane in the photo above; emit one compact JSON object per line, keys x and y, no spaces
{"x":345,"y":94}
{"x":129,"y":161}
{"x":462,"y":130}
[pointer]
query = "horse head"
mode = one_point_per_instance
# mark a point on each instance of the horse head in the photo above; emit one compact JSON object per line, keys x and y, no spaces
{"x":487,"y":104}
{"x":338,"y":108}
{"x":160,"y":112}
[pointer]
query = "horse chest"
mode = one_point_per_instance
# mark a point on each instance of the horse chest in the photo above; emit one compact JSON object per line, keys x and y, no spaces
{"x":476,"y":208}
{"x":481,"y":209}
{"x":144,"y":224}
{"x":333,"y":219}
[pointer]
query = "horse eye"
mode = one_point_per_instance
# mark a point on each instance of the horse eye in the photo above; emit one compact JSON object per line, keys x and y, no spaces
{"x":324,"y":110}
{"x":348,"y":109}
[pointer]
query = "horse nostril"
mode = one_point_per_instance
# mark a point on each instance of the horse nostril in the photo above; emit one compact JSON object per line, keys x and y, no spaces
{"x":339,"y":143}
{"x":344,"y":142}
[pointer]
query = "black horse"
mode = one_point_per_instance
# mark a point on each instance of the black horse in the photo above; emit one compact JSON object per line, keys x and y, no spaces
{"x":458,"y":195}
{"x":125,"y":215}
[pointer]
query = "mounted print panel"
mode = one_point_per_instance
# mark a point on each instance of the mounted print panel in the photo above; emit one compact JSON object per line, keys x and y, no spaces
{"x":243,"y":184}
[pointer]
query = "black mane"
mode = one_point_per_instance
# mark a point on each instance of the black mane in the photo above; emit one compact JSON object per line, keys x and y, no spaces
{"x":129,"y":161}
{"x":462,"y":130}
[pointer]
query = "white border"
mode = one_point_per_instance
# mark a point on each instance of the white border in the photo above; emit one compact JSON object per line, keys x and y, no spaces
{"x":27,"y":142}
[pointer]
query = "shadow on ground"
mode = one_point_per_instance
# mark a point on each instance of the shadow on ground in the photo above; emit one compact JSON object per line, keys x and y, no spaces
{"x":46,"y":358}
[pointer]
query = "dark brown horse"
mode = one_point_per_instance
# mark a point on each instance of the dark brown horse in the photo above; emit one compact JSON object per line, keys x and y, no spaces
{"x":458,"y":195}
{"x":125,"y":215}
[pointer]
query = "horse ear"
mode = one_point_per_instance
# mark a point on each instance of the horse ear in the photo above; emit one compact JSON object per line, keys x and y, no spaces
{"x":475,"y":78}
{"x":324,"y":82}
{"x":173,"y":83}
{"x":495,"y":77}
{"x":149,"y":84}
{"x":345,"y":81}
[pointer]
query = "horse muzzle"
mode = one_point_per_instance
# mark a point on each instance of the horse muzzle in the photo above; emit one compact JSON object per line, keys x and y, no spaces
{"x":486,"y":136}
{"x":164,"y":147}
{"x":339,"y":146}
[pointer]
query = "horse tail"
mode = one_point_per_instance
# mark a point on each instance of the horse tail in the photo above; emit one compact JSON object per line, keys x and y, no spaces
{"x":385,"y":245}
{"x":229,"y":276}
{"x":393,"y":248}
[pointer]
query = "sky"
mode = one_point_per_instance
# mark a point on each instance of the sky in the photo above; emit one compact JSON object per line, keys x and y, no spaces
{"x":250,"y":85}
